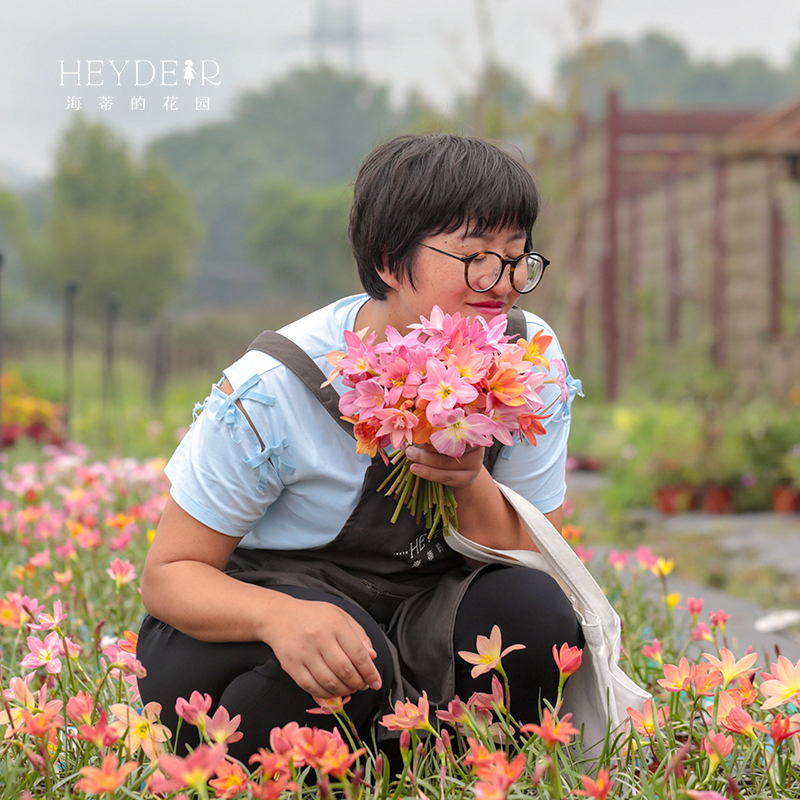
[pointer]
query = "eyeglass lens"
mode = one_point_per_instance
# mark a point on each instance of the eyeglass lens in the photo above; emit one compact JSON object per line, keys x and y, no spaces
{"x":485,"y":269}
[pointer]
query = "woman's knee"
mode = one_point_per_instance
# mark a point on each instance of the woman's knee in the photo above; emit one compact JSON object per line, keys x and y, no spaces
{"x":522,"y":603}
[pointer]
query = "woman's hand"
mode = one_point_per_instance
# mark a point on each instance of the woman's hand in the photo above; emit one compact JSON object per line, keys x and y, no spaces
{"x":460,"y":473}
{"x":324,"y":650}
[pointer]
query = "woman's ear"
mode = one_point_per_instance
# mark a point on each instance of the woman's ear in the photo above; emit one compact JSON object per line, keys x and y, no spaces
{"x":389,"y":278}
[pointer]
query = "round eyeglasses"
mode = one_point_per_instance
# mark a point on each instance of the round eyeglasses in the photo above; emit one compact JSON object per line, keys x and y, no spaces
{"x":483,"y":270}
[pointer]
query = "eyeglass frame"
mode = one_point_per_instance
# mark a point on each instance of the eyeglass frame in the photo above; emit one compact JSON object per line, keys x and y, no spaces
{"x":511,"y":263}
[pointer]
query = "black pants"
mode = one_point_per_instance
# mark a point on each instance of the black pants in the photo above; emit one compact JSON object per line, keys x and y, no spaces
{"x":246,"y":678}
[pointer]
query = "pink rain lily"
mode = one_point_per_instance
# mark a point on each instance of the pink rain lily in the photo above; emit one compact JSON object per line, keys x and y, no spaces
{"x":783,"y":683}
{"x":121,"y":572}
{"x":222,"y":728}
{"x":398,"y":424}
{"x":46,"y":622}
{"x":653,"y":651}
{"x":560,"y":379}
{"x":568,"y":659}
{"x":444,"y":388}
{"x":489,"y":653}
{"x":732,"y":717}
{"x":717,"y":746}
{"x":333,"y":705}
{"x":457,"y":431}
{"x":190,"y":772}
{"x":194,"y":710}
{"x":408,"y":715}
{"x":44,"y":654}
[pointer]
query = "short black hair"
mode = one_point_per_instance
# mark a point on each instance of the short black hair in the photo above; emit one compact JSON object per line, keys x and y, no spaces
{"x":415,"y":186}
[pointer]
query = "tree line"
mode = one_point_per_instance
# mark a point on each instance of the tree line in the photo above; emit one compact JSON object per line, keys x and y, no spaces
{"x":270,"y":187}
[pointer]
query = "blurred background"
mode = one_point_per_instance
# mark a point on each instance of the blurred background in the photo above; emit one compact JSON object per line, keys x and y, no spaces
{"x":175,"y":178}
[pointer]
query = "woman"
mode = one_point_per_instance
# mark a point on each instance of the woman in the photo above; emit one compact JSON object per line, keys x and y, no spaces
{"x":275,"y":575}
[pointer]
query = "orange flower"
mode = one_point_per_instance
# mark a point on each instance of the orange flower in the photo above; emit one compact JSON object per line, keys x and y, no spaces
{"x":107,"y":779}
{"x":337,"y":759}
{"x":535,"y":349}
{"x":783,"y":727}
{"x":552,"y":730}
{"x":231,"y":779}
{"x":728,"y":667}
{"x":128,"y":642}
{"x":489,"y":654}
{"x":599,"y":788}
{"x":676,"y":679}
{"x":705,"y":679}
{"x":10,"y":616}
{"x":644,"y":722}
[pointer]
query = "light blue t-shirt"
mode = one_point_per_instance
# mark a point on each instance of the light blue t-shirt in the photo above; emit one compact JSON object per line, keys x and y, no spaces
{"x":298,"y":491}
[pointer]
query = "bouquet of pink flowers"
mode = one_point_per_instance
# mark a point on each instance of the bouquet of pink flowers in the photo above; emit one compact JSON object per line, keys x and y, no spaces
{"x":449,"y":383}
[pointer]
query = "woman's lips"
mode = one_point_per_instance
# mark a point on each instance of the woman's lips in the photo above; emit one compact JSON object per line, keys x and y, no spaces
{"x":491,"y":309}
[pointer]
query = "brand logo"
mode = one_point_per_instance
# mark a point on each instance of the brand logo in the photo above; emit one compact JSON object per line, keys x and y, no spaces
{"x":140,"y":72}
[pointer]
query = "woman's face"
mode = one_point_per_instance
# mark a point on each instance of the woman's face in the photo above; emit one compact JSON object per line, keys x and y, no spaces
{"x":439,"y":279}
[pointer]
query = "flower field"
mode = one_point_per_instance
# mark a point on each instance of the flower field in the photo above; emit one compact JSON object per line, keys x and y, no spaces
{"x":74,"y":536}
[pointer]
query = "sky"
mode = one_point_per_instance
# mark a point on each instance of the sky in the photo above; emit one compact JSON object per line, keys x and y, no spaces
{"x":433,"y":46}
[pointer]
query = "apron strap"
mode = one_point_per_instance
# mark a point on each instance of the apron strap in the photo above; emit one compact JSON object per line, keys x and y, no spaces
{"x":294,"y":358}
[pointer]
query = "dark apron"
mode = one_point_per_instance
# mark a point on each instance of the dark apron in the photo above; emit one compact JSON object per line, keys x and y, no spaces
{"x":409,"y":584}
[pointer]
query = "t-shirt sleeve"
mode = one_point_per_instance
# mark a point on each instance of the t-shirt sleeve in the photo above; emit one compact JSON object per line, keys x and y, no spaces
{"x":220,"y":473}
{"x":538,"y":472}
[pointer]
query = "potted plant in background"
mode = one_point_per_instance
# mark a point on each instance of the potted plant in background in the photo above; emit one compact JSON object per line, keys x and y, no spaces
{"x":766,"y":444}
{"x":786,"y":496}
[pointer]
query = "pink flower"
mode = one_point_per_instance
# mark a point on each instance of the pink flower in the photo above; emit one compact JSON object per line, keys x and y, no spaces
{"x":398,"y":424}
{"x":46,"y":622}
{"x":334,"y":705}
{"x":457,"y":431}
{"x":80,"y":707}
{"x":568,"y":659}
{"x":408,"y":715}
{"x":444,"y":388}
{"x":222,"y":729}
{"x":718,"y":620}
{"x":783,"y":683}
{"x":653,"y":651}
{"x":645,"y":721}
{"x":121,"y":572}
{"x":489,"y":653}
{"x":618,"y":560}
{"x":676,"y":679}
{"x":561,"y":378}
{"x":195,"y":709}
{"x":44,"y":654}
{"x":190,"y":772}
{"x":694,"y":606}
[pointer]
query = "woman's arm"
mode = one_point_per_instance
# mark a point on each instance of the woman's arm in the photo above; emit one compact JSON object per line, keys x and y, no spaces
{"x":326,"y":652}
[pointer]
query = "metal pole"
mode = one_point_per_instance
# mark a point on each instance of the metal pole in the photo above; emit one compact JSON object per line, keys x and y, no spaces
{"x":112,"y":306}
{"x":69,"y":356}
{"x":609,"y":287}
